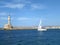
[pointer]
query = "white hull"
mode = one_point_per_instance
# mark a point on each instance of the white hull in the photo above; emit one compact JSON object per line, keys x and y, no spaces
{"x":42,"y":29}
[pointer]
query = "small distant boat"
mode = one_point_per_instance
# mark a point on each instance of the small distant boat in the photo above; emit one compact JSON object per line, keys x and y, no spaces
{"x":40,"y":27}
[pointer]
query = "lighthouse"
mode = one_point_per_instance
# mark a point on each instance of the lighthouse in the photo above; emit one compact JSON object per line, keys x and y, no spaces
{"x":9,"y":23}
{"x":8,"y":26}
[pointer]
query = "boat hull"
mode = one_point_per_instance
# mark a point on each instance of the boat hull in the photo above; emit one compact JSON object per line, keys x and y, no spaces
{"x":42,"y":29}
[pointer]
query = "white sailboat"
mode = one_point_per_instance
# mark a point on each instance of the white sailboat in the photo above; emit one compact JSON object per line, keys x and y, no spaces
{"x":40,"y":27}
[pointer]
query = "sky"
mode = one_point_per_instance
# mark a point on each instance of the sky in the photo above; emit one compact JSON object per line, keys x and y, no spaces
{"x":29,"y":12}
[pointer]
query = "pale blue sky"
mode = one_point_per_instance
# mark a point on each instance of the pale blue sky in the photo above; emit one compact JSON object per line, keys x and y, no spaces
{"x":29,"y":12}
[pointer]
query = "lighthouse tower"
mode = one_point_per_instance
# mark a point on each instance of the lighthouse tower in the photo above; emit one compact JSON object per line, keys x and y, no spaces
{"x":8,"y":25}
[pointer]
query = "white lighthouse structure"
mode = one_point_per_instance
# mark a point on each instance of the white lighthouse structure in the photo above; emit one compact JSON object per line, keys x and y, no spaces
{"x":8,"y":25}
{"x":9,"y":20}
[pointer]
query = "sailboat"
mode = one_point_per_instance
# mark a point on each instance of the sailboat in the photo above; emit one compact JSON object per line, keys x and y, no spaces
{"x":40,"y":27}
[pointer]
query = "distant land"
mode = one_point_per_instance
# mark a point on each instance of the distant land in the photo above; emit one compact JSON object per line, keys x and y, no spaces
{"x":33,"y":27}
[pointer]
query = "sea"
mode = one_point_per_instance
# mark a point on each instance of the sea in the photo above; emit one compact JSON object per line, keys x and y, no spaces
{"x":30,"y":37}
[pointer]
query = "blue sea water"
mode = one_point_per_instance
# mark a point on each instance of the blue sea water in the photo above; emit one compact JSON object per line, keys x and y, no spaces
{"x":30,"y":37}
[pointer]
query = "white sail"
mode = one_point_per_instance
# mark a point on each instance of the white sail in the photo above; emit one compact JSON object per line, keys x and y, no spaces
{"x":40,"y":27}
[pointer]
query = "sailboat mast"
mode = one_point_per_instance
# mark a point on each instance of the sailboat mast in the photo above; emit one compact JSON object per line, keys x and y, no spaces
{"x":40,"y":24}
